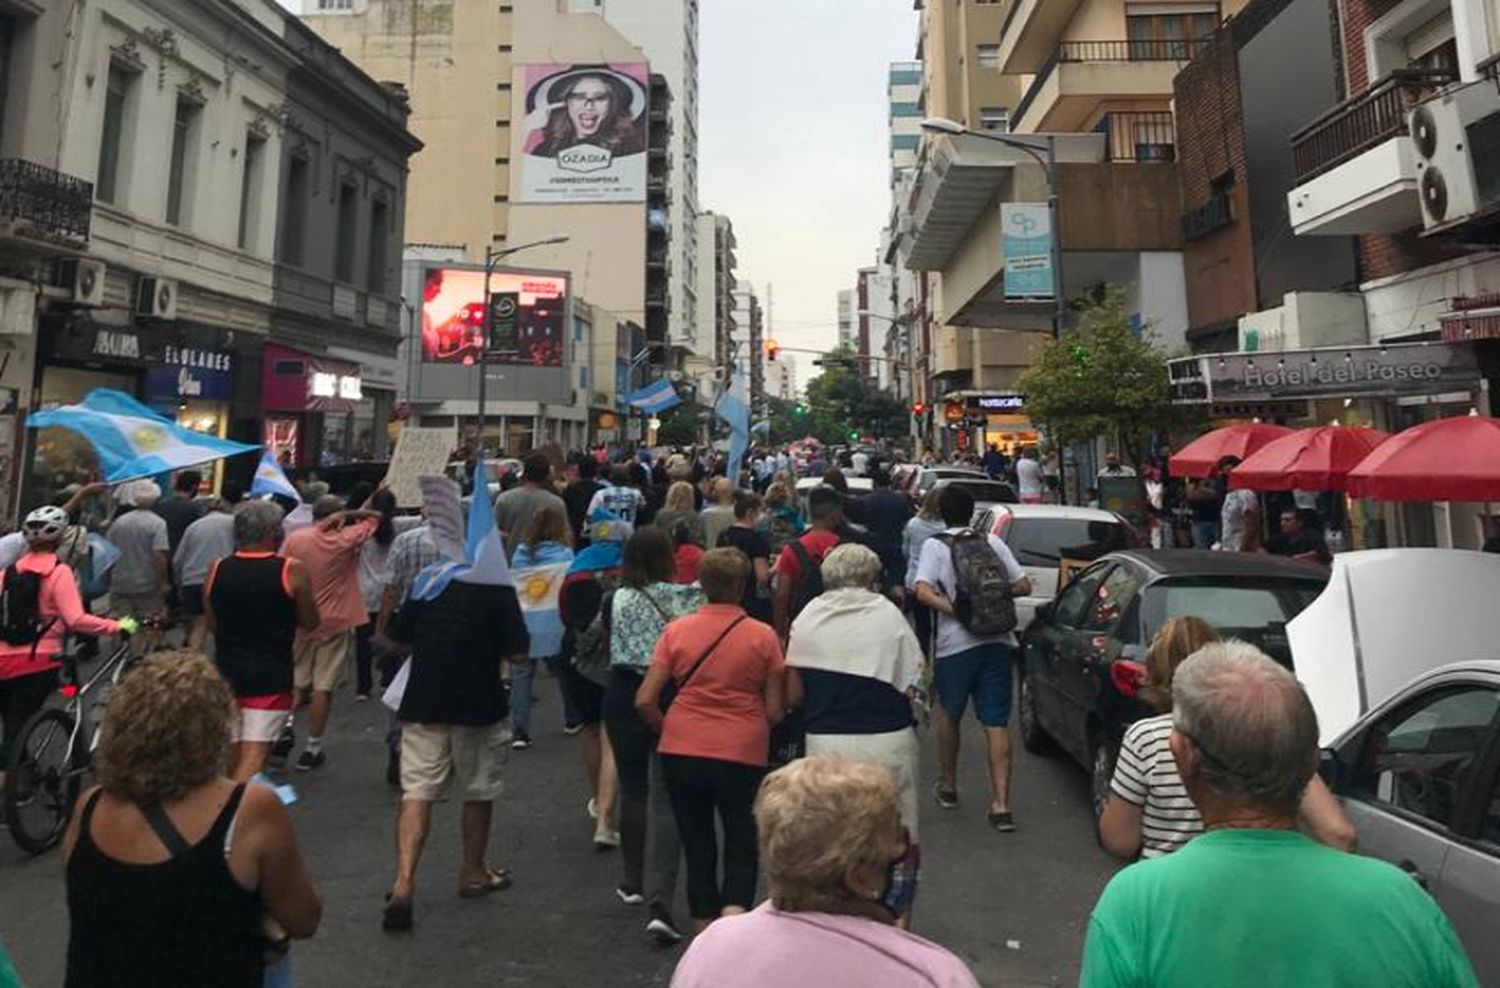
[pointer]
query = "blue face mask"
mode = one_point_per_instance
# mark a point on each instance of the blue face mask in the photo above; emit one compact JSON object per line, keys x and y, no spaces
{"x":901,"y":877}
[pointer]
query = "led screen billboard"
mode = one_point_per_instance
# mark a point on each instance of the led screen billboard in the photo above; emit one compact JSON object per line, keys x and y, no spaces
{"x":530,"y":314}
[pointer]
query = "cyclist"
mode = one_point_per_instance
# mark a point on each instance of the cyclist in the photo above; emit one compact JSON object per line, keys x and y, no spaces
{"x":28,"y":669}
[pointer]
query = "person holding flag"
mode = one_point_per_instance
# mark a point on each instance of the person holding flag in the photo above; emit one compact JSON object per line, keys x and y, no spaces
{"x":538,"y":568}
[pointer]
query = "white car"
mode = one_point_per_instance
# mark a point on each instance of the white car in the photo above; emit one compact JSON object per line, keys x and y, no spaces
{"x":1040,"y":536}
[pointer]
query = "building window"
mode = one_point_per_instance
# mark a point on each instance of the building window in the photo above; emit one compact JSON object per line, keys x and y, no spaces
{"x":380,"y":238}
{"x":348,"y":223}
{"x":994,"y":118}
{"x":251,"y":180}
{"x":116,"y":100}
{"x":1160,"y":32}
{"x":295,"y":213}
{"x":988,"y":57}
{"x":179,"y":166}
{"x":905,"y":110}
{"x":324,"y":5}
{"x":905,"y":142}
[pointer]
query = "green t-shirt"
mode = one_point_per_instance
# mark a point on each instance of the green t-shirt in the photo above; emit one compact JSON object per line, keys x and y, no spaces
{"x":1255,"y":908}
{"x":8,"y":976}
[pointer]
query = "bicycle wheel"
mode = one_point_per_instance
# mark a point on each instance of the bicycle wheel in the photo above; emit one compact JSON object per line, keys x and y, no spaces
{"x":42,"y":781}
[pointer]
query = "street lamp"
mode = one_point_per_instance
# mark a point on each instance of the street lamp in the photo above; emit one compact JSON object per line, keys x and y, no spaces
{"x":1045,"y":154}
{"x":492,"y":258}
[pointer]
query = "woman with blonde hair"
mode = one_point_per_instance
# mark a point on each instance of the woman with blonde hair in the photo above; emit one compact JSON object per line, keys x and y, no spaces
{"x":171,"y":866}
{"x":841,"y":869}
{"x":1149,"y":812}
{"x":680,"y":506}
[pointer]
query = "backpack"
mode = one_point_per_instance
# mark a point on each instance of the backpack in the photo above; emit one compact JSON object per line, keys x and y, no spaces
{"x":586,"y":639}
{"x":810,"y":583}
{"x":778,"y":530}
{"x":20,"y":608}
{"x":982,"y":600}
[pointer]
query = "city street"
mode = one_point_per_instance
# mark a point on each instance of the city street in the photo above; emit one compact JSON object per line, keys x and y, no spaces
{"x":1014,"y":907}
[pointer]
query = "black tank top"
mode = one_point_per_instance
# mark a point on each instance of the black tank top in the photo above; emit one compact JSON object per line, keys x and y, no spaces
{"x":256,"y":620}
{"x":185,"y":921}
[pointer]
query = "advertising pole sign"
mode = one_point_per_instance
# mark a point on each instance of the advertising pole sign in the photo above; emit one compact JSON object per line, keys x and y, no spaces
{"x":1026,"y":242}
{"x":583,"y":134}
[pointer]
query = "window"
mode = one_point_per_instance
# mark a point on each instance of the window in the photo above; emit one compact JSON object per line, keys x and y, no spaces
{"x":1419,"y":758}
{"x":295,"y":213}
{"x":1169,"y":31}
{"x":1489,"y":825}
{"x":905,"y":110}
{"x":1042,"y":541}
{"x":905,"y":142}
{"x":1073,"y":602}
{"x":994,"y":118}
{"x":988,"y":56}
{"x":250,"y":190}
{"x":325,"y":5}
{"x":348,"y":225}
{"x":116,"y":100}
{"x":380,"y":220}
{"x":1255,"y":612}
{"x":180,"y":165}
{"x":1115,"y":595}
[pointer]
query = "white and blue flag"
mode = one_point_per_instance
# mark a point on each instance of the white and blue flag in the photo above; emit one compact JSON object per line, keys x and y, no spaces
{"x":271,"y":479}
{"x":733,"y":407}
{"x":133,"y":441}
{"x":483,"y":553}
{"x":538,"y":574}
{"x":655,"y":398}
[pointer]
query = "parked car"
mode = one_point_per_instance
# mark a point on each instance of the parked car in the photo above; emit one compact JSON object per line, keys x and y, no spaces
{"x":1040,"y":536}
{"x":1083,"y":652}
{"x":986,"y":492}
{"x":928,"y":477}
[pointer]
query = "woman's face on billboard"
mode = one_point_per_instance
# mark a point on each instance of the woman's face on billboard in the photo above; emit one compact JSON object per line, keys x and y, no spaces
{"x":589,"y":102}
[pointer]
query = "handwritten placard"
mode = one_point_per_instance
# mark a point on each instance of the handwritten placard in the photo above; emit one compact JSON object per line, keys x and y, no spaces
{"x":419,"y":452}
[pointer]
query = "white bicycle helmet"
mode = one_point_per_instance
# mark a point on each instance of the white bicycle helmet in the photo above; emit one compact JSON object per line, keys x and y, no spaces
{"x":45,"y":524}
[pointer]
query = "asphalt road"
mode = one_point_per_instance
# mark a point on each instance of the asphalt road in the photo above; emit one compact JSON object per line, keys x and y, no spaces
{"x":1014,"y":906}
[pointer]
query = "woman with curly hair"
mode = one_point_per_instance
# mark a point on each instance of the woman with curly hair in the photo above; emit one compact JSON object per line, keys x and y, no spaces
{"x":171,"y":867}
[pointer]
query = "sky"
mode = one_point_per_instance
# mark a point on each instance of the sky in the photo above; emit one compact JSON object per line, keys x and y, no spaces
{"x":793,"y":144}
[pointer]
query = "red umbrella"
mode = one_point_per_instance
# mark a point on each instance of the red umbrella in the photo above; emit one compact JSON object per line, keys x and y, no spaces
{"x":1315,"y":459}
{"x":1200,"y":458}
{"x":1455,"y":459}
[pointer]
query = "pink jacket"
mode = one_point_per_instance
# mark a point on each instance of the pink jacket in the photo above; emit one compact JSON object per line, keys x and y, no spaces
{"x":59,"y":599}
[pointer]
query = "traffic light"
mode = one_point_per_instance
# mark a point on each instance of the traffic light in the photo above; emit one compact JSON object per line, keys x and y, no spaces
{"x":917,"y":408}
{"x":772,"y":349}
{"x":854,"y":435}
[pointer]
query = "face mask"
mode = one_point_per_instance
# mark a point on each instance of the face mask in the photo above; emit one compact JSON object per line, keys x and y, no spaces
{"x":901,"y":877}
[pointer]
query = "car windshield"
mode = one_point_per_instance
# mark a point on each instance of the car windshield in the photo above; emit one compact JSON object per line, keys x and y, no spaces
{"x":988,"y":491}
{"x":1252,"y":610}
{"x":1047,"y":541}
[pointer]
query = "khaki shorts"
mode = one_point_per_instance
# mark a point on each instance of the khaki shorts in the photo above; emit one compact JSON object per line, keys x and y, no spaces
{"x":473,"y":758}
{"x":138,"y":605}
{"x":321,"y":664}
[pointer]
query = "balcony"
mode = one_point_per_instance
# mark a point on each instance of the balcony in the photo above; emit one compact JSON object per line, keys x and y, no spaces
{"x":1356,"y":169}
{"x":1211,"y":216}
{"x":1030,"y":31}
{"x":39,"y":205}
{"x":1139,"y":137}
{"x":1080,"y":75}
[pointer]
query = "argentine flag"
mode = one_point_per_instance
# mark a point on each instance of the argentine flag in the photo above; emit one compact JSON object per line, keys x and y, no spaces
{"x":654,"y":398}
{"x":538,"y":577}
{"x":271,"y":479}
{"x":133,"y":441}
{"x":733,"y":407}
{"x":484,"y":554}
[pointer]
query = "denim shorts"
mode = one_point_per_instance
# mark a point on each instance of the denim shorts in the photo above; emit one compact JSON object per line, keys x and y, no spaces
{"x":982,"y":672}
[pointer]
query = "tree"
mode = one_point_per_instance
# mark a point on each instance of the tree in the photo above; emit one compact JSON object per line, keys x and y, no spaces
{"x":1100,"y":379}
{"x":841,"y":404}
{"x":682,"y":426}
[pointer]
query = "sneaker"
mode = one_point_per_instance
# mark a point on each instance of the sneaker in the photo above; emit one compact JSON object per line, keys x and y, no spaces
{"x":521,"y":741}
{"x":285,"y":742}
{"x":309,"y":760}
{"x":946,"y":798}
{"x":1003,"y":822}
{"x":631,"y":897}
{"x":606,"y":839}
{"x":662,"y":927}
{"x":593,"y":808}
{"x":572,"y":729}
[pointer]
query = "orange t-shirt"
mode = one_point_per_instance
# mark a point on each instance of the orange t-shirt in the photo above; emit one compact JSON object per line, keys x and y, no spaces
{"x":722,"y":711}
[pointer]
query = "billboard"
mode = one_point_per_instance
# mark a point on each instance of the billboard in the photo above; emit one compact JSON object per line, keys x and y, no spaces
{"x":529,"y":325}
{"x":1026,"y":243}
{"x":583,"y":133}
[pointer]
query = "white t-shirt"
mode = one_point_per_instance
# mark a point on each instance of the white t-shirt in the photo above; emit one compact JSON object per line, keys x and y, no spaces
{"x":936,"y":570}
{"x":859,"y":463}
{"x":12,"y":548}
{"x":1029,"y":476}
{"x":1237,"y":504}
{"x":624,"y":502}
{"x":1146,"y":776}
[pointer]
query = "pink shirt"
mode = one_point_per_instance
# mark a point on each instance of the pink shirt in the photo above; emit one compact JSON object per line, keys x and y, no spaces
{"x":770,"y":947}
{"x":58,"y":599}
{"x":331,"y":556}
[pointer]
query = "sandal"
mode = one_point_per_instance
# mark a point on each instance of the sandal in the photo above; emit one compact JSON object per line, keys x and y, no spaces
{"x":397,"y":913}
{"x":498,"y":881}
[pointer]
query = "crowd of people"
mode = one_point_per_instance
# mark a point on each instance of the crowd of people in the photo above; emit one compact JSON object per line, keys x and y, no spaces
{"x":745,"y":669}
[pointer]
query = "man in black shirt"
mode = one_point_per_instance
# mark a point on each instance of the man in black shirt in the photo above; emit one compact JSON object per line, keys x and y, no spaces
{"x":578,"y":494}
{"x":885,"y":514}
{"x":1298,"y":541}
{"x":181,"y":509}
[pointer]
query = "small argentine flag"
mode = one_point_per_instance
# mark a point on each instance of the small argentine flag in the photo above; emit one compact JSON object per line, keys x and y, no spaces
{"x":133,"y":441}
{"x":655,"y":398}
{"x":271,"y":479}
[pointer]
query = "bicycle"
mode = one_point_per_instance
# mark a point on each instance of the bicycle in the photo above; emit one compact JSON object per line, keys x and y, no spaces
{"x":48,"y":763}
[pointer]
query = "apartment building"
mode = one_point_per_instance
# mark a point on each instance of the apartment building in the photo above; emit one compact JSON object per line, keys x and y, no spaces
{"x":846,"y":326}
{"x":492,"y":90}
{"x":904,"y":94}
{"x":716,"y":302}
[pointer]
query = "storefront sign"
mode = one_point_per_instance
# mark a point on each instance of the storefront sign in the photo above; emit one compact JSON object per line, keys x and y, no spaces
{"x":191,"y":372}
{"x":1365,"y":371}
{"x":109,"y":343}
{"x":1000,"y":403}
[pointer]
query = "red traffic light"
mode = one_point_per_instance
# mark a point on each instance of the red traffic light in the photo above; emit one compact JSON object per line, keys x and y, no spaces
{"x":918,"y":408}
{"x":772,"y":349}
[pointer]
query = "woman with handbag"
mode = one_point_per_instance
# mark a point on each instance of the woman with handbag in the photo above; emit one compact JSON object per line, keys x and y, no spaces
{"x":640,"y":611}
{"x":724,"y":673}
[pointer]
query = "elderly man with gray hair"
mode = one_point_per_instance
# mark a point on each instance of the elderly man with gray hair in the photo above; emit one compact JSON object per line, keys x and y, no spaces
{"x":1251,"y":901}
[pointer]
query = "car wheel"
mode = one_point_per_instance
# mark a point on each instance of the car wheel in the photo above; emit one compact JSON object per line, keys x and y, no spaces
{"x":1101,"y":771}
{"x":1033,"y":738}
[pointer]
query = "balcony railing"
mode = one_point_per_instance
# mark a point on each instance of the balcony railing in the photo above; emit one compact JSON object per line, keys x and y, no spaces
{"x":1361,"y":122}
{"x":40,"y":203}
{"x":1212,"y":215}
{"x":1140,"y":136}
{"x":1076,"y":52}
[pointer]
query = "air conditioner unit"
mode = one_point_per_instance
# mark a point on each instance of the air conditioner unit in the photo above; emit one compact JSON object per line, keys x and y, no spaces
{"x":1456,"y":136}
{"x":156,"y":298}
{"x":84,"y":280}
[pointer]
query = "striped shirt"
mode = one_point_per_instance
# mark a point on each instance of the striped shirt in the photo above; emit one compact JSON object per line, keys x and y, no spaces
{"x":1146,"y":776}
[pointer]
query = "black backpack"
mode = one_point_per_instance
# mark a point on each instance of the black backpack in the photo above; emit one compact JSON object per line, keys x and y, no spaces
{"x":810,"y":583}
{"x":982,"y":600}
{"x":20,"y":608}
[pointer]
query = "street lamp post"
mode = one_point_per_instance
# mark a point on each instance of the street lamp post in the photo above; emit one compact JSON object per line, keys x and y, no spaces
{"x":492,"y":258}
{"x":1044,"y":155}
